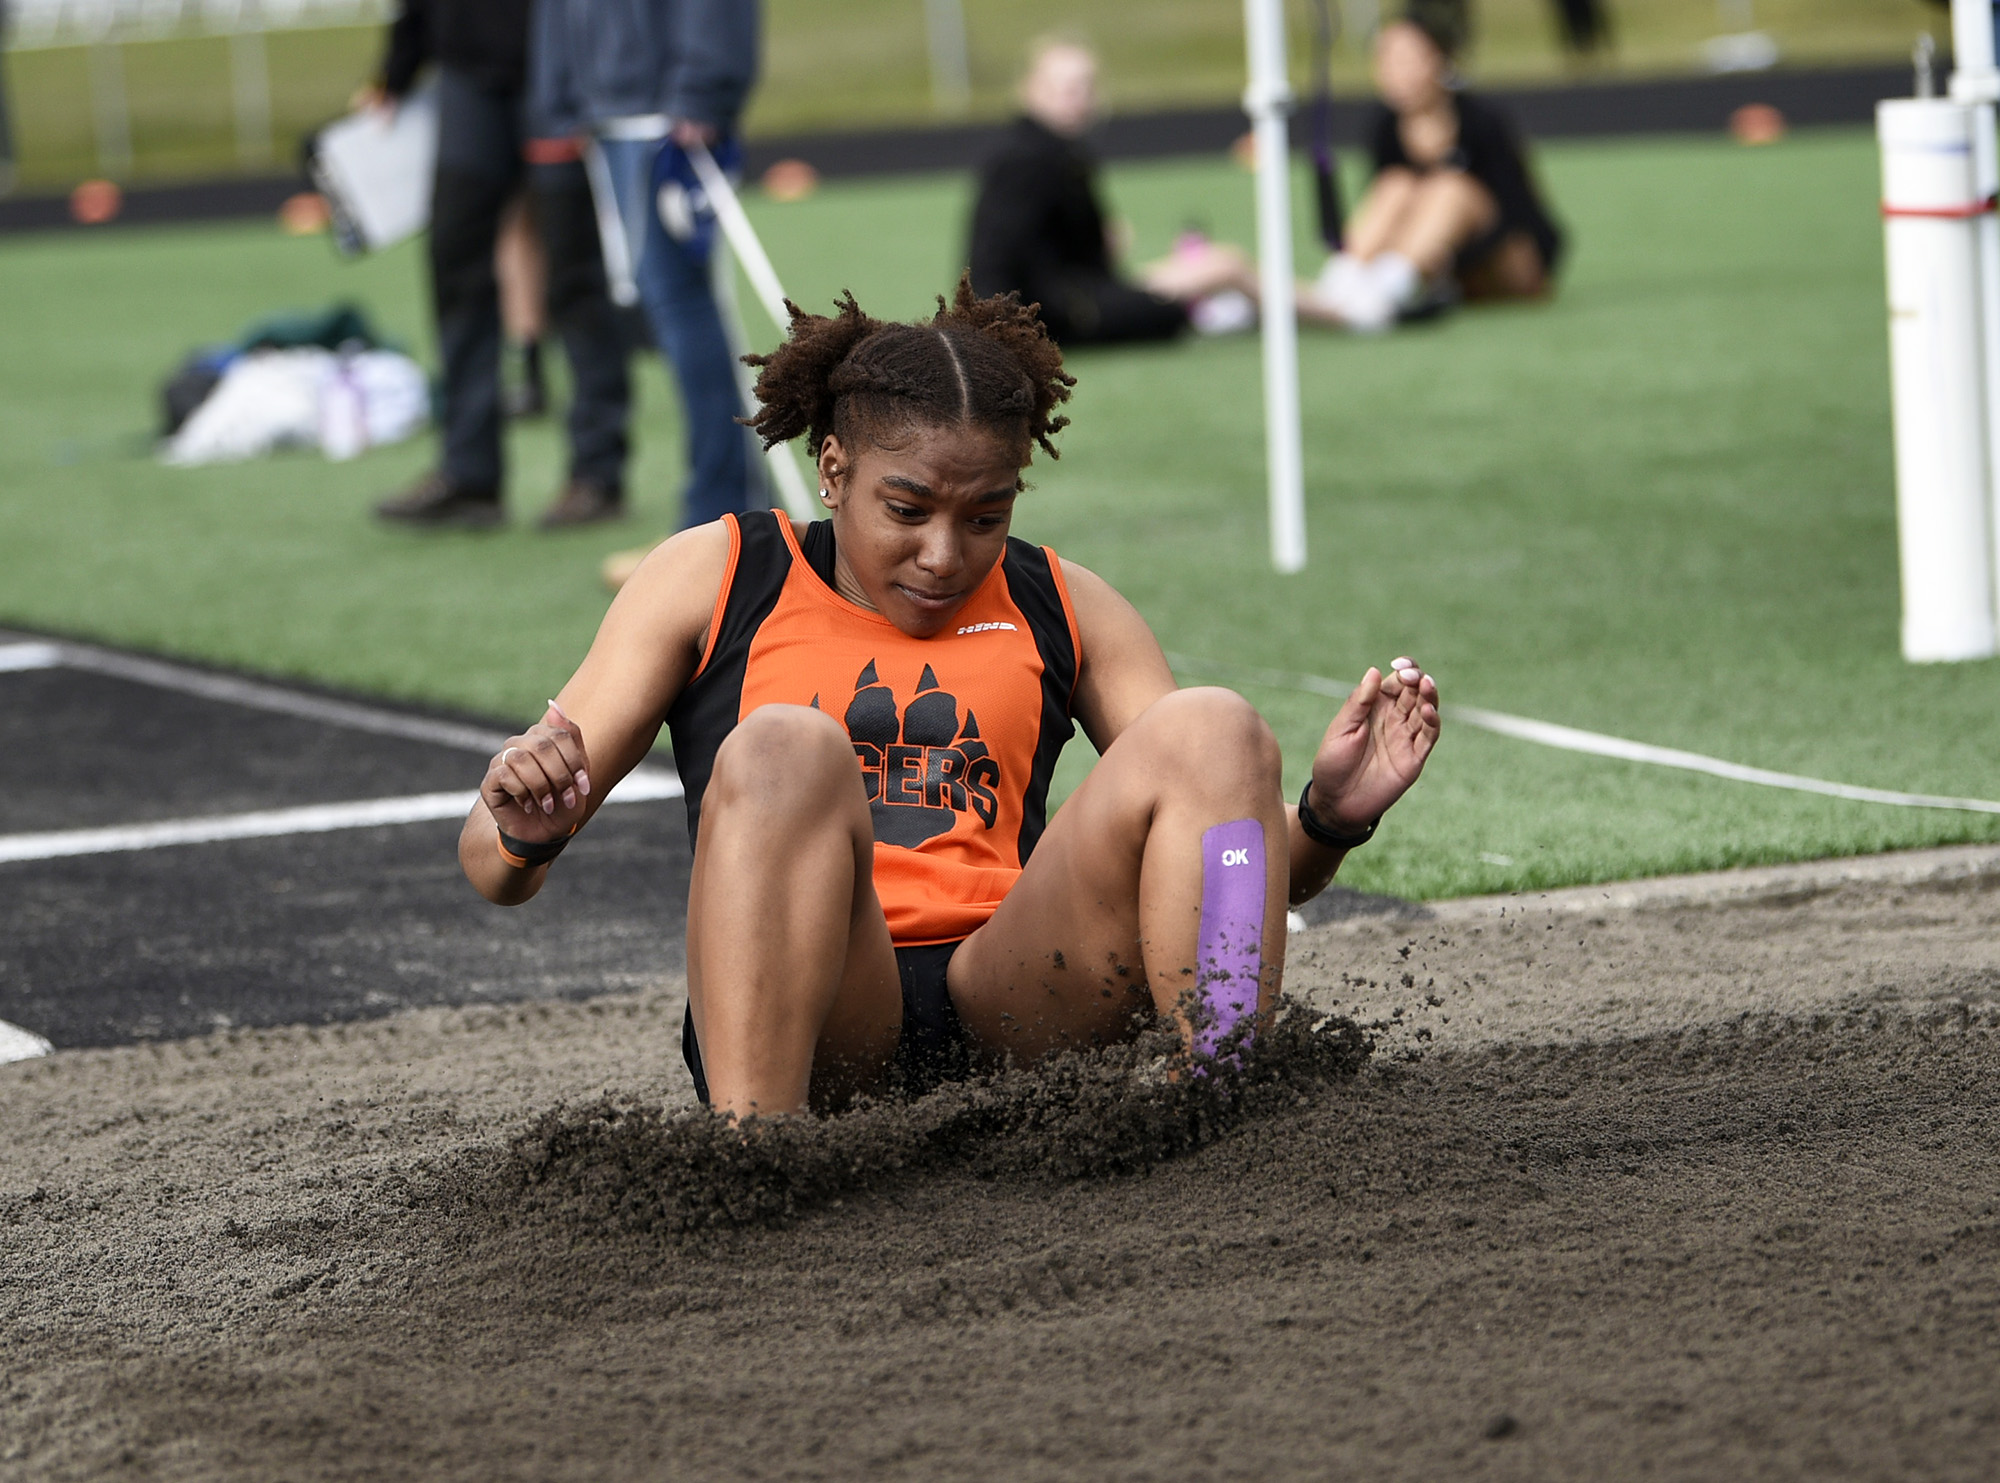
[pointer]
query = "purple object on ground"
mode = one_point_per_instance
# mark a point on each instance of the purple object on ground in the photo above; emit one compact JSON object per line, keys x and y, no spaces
{"x":1229,"y":955}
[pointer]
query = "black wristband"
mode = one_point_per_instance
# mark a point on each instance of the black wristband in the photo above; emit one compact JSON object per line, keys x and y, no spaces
{"x":1318,"y":833}
{"x":525,"y":854}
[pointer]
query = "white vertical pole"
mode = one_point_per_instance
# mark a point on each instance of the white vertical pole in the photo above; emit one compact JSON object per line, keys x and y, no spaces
{"x":250,"y":78}
{"x":1937,"y":381}
{"x":620,"y":272}
{"x":951,"y":67}
{"x":1975,"y":80}
{"x":108,"y":108}
{"x":1268,"y":101}
{"x":785,"y":473}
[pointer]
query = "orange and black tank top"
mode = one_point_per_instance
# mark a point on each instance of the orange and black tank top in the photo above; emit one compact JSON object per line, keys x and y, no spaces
{"x":956,"y":735}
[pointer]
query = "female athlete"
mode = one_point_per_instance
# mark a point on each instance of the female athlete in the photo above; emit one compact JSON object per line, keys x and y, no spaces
{"x":866,"y":711}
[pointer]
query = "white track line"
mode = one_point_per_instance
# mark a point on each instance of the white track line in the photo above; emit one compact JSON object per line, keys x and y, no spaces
{"x":250,"y":694}
{"x":642,"y":786}
{"x":255,"y":696}
{"x":17,"y":657}
{"x":17,"y":1044}
{"x":1570,"y":739}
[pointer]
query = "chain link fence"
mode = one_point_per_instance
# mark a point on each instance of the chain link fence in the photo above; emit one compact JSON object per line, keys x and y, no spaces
{"x":36,"y":24}
{"x":176,"y":78}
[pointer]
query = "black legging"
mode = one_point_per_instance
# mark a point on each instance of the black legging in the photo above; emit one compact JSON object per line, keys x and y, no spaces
{"x":479,"y":170}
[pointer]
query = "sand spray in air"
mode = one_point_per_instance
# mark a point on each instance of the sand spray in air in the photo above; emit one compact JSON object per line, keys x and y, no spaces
{"x":1229,"y":952}
{"x":621,"y":1163}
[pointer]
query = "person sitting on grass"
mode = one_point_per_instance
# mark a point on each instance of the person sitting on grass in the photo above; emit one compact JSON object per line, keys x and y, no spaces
{"x":1452,"y":211}
{"x":1038,"y":228}
{"x":866,"y":711}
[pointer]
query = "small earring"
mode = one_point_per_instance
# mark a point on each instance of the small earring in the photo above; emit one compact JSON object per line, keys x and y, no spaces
{"x":825,"y":498}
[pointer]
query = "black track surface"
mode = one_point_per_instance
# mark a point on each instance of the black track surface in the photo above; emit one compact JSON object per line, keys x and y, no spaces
{"x":164,"y":943}
{"x":132,"y":753}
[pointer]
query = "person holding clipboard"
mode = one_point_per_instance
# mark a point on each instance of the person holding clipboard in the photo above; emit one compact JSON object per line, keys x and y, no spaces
{"x":484,"y":159}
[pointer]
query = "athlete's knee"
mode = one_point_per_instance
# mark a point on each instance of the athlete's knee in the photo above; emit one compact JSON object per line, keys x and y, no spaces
{"x":785,"y":756}
{"x":1462,"y":191}
{"x":1214,"y":733}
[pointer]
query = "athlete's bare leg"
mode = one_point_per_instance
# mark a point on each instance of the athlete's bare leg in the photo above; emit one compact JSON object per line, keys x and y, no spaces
{"x":1426,"y":218}
{"x":1104,"y":922}
{"x":1447,"y":209}
{"x":1188,"y":275}
{"x":791,"y":974}
{"x":521,"y":264}
{"x":1379,"y":216}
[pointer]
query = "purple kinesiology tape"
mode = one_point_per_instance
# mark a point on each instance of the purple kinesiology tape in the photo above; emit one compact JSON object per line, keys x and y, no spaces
{"x":1229,"y":955}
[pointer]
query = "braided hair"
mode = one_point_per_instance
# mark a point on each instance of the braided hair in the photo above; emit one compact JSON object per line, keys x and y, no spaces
{"x":985,"y":363}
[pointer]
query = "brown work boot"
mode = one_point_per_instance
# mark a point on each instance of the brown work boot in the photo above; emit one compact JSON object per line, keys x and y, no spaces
{"x":583,"y":503}
{"x":434,"y":501}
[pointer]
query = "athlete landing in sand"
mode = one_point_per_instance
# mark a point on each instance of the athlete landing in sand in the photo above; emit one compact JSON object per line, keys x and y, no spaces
{"x":866,"y":711}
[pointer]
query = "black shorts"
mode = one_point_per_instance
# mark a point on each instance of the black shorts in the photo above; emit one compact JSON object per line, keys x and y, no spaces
{"x":1473,"y":258}
{"x":933,"y":1048}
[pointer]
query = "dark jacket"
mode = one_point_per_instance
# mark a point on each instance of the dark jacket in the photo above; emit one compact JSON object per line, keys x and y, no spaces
{"x":596,"y":60}
{"x":487,"y":40}
{"x":1491,"y":154}
{"x":1037,"y":227}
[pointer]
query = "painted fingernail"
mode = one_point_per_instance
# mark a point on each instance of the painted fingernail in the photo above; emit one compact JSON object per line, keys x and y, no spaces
{"x":583,"y":783}
{"x":569,"y":798}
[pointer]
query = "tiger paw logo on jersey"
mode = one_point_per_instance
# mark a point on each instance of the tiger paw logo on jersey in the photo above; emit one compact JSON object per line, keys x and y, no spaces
{"x":923,"y":769}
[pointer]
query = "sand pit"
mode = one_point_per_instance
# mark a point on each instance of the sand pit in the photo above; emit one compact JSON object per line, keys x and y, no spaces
{"x":1696,"y":1191}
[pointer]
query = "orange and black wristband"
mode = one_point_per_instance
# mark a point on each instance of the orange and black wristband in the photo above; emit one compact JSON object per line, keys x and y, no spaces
{"x":525,"y":854}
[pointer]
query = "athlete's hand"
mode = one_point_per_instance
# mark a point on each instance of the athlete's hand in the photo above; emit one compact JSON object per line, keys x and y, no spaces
{"x":537,"y":786}
{"x":687,"y":131}
{"x":1376,"y":747}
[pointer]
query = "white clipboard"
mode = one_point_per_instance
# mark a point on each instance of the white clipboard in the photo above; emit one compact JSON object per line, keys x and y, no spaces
{"x":376,"y":173}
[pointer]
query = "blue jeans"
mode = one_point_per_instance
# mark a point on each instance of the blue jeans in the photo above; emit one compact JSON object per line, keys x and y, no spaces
{"x":679,"y":299}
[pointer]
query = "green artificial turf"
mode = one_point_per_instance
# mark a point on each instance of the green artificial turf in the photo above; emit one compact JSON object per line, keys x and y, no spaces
{"x":1660,"y":506}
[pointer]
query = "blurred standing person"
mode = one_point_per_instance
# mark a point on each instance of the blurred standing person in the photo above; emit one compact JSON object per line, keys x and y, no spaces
{"x":521,"y":263}
{"x":646,"y":80}
{"x":1452,"y":211}
{"x":1039,"y":231}
{"x":480,"y":49}
{"x":1584,"y":25}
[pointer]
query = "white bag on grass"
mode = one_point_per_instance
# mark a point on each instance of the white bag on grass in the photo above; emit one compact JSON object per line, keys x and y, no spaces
{"x":272,"y":399}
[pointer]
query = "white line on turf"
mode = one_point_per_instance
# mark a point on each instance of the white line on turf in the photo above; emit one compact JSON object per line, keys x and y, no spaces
{"x":1570,"y":739}
{"x":17,"y":1044}
{"x":642,"y":786}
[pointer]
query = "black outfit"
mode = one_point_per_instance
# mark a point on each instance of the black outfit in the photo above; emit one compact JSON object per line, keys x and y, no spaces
{"x":1038,"y":231}
{"x":480,"y":47}
{"x":1489,"y":151}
